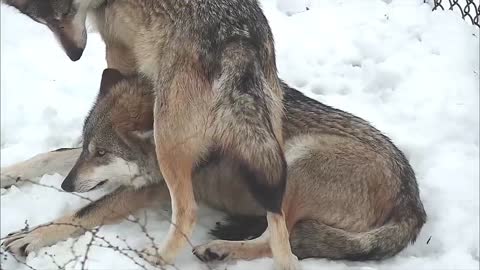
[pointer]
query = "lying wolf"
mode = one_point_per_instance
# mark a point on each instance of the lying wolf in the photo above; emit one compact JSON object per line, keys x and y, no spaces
{"x":213,"y":68}
{"x":351,"y":194}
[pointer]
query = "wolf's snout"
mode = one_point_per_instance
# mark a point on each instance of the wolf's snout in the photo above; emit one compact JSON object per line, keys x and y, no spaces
{"x":71,"y":35}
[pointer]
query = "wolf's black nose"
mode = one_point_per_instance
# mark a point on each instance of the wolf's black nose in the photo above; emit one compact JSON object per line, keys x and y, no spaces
{"x":67,"y":185}
{"x":74,"y":53}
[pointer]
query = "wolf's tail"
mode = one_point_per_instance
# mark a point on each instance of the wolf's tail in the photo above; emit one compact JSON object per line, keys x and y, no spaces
{"x":313,"y":239}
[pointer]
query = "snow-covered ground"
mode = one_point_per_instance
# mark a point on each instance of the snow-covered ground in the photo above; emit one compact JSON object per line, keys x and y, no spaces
{"x":413,"y":73}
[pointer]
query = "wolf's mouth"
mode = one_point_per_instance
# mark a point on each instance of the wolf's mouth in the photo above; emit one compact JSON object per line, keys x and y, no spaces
{"x":100,"y":184}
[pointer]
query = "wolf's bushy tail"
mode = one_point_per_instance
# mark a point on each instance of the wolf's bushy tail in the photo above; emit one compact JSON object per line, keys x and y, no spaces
{"x":313,"y":239}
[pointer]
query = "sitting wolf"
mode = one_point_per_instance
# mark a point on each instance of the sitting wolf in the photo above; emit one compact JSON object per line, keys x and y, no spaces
{"x":351,"y":194}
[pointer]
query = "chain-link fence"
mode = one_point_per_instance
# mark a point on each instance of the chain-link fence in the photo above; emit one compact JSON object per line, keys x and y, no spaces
{"x":469,"y":9}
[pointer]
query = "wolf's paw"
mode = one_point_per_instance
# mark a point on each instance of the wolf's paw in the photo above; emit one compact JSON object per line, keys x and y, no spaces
{"x":288,"y":264}
{"x":9,"y":179}
{"x":154,"y":257}
{"x":213,"y":251}
{"x":23,"y":242}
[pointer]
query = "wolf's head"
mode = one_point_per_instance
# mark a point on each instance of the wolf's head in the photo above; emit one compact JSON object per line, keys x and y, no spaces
{"x":65,"y":18}
{"x":118,"y":146}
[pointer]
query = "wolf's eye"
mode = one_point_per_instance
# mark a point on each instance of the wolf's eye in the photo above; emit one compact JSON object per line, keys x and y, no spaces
{"x":100,"y":152}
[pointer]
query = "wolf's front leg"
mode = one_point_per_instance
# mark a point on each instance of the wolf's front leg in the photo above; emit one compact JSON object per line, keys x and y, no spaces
{"x":59,"y":161}
{"x":177,"y":172}
{"x":109,"y":209}
{"x":23,"y":242}
{"x":180,"y":119}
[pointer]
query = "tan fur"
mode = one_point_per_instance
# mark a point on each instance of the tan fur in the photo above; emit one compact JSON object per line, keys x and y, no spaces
{"x":119,"y":56}
{"x":347,"y":183}
{"x":134,"y":113}
{"x":335,"y":180}
{"x":184,"y":113}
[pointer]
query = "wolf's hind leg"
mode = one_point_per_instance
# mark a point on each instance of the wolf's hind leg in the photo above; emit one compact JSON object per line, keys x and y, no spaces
{"x":247,"y":128}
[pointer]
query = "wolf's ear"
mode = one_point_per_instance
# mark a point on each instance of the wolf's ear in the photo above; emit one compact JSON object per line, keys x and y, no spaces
{"x":110,"y":77}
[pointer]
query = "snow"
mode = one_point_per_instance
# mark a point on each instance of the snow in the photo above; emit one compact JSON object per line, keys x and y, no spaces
{"x":411,"y":72}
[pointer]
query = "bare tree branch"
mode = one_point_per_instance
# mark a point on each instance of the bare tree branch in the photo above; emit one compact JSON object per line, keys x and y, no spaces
{"x":138,"y":257}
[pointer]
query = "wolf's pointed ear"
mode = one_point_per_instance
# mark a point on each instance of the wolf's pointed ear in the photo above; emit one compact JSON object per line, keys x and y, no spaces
{"x":110,"y":77}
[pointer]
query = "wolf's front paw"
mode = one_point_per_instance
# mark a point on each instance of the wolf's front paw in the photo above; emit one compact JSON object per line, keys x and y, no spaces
{"x":16,"y":174}
{"x":7,"y":180}
{"x":213,"y":251}
{"x":155,"y":257}
{"x":23,"y":242}
{"x":288,"y":264}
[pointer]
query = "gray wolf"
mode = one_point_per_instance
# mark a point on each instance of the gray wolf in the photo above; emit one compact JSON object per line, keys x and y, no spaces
{"x":351,"y":194}
{"x":212,"y":65}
